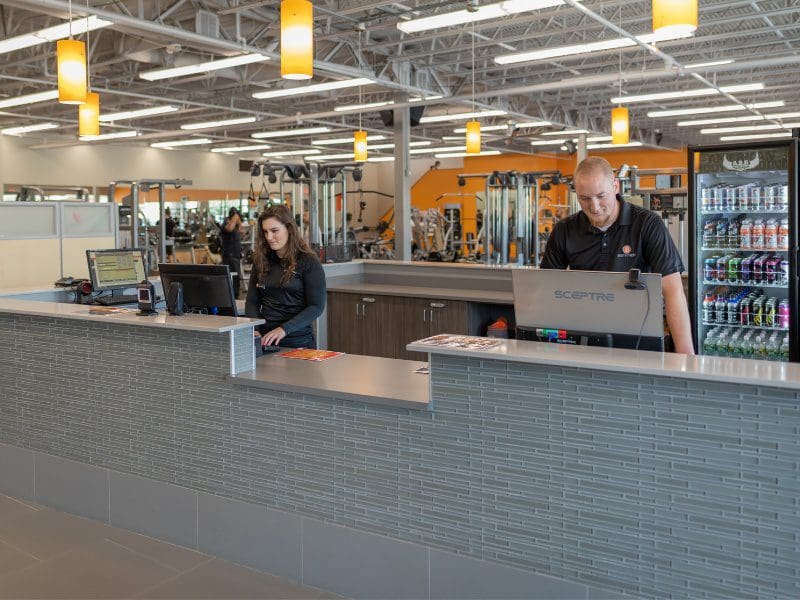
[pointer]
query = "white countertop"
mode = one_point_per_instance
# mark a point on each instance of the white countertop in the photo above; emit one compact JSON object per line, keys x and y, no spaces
{"x":125,"y":316}
{"x":665,"y":364}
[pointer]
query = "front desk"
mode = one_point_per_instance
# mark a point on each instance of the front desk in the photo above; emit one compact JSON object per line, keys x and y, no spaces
{"x":527,"y":470}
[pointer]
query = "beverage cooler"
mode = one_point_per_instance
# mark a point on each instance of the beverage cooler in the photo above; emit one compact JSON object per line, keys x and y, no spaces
{"x":743,"y":278}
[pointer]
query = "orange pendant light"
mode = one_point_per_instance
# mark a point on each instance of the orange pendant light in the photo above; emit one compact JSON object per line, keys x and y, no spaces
{"x":473,"y":137}
{"x":89,"y":115}
{"x":360,"y":146}
{"x":71,"y":63}
{"x":297,"y":39}
{"x":620,"y":129}
{"x":674,"y":16}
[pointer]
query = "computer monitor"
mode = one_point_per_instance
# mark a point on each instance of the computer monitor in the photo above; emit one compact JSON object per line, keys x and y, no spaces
{"x":116,"y":270}
{"x":589,"y":307}
{"x":207,"y":289}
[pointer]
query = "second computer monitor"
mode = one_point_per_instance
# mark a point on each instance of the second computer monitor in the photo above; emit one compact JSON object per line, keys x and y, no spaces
{"x":116,"y":269}
{"x":206,"y":288}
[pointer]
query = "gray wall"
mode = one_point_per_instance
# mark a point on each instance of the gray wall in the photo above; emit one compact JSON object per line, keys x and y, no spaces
{"x":631,"y":484}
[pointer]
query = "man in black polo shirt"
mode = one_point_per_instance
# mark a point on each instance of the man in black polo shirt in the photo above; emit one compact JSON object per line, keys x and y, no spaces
{"x":610,"y":234}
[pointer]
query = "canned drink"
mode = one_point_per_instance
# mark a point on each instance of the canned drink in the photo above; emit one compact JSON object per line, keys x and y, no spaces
{"x":783,"y":314}
{"x":733,"y":198}
{"x":772,"y":270}
{"x":771,"y":234}
{"x":757,"y":235}
{"x":745,"y":234}
{"x":758,"y":312}
{"x":710,"y":268}
{"x":722,"y":267}
{"x":746,"y":269}
{"x":756,"y":197}
{"x":720,"y":197}
{"x":770,"y":312}
{"x":784,"y":272}
{"x":783,"y":235}
{"x":744,"y":311}
{"x":757,"y":275}
{"x":771,"y":198}
{"x":707,"y":199}
{"x":733,"y":269}
{"x":744,"y":196}
{"x":783,"y":199}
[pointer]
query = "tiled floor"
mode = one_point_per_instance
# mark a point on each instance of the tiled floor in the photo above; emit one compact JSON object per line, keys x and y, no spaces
{"x":49,"y":554}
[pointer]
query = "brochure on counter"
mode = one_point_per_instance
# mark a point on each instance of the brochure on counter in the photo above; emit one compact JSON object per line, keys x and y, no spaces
{"x":311,"y":354}
{"x":467,"y":342}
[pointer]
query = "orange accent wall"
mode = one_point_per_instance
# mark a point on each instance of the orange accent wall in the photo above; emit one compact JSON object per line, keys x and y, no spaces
{"x":175,"y":195}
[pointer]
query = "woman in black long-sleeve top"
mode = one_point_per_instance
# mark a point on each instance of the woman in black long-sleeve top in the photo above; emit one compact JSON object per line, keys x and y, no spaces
{"x":287,"y":283}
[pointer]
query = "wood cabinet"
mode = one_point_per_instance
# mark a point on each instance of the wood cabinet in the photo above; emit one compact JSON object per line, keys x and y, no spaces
{"x":383,"y":325}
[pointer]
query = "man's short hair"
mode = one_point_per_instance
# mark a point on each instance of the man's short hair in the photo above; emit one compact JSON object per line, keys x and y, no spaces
{"x":594,"y":164}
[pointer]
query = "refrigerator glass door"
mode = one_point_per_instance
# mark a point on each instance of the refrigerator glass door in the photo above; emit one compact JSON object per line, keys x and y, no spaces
{"x":742,"y":240}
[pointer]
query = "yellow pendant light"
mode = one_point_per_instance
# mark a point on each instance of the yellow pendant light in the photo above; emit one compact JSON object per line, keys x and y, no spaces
{"x":360,"y":146}
{"x":674,"y":16}
{"x":620,"y":130}
{"x":89,"y":115}
{"x":71,"y":62}
{"x":473,"y":137}
{"x":297,"y":39}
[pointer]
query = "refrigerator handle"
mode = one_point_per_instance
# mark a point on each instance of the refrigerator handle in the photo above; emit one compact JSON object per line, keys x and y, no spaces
{"x":681,"y":225}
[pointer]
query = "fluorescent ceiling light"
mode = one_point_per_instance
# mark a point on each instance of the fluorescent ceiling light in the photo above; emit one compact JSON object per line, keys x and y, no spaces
{"x":713,"y":63}
{"x":417,"y":99}
{"x":598,"y":146}
{"x":460,"y":154}
{"x":212,"y":124}
{"x":29,"y":99}
{"x":599,"y":46}
{"x":51,"y":34}
{"x":730,"y":89}
{"x":763,"y":136}
{"x":421,"y":143}
{"x":483,"y":128}
{"x":547,"y":142}
{"x":462,"y":116}
{"x":381,"y":159}
{"x":482,"y":13}
{"x":109,"y":136}
{"x":346,"y":140}
{"x":313,"y":88}
{"x":363,"y":106}
{"x":707,"y":110}
{"x":242,"y":148}
{"x":533,"y":124}
{"x":424,"y":150}
{"x":769,"y":127}
{"x":565,"y":132}
{"x":28,"y":128}
{"x":718,"y":120}
{"x":344,"y":155}
{"x":203,"y":67}
{"x":135,"y":114}
{"x":290,"y":132}
{"x":176,"y":143}
{"x":278,"y":154}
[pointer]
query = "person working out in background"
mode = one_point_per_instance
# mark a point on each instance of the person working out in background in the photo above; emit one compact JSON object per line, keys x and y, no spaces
{"x":610,"y":234}
{"x":230,"y":236}
{"x":287,"y":283}
{"x":169,"y":235}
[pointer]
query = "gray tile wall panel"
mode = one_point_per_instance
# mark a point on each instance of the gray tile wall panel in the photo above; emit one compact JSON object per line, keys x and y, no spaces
{"x":638,"y":485}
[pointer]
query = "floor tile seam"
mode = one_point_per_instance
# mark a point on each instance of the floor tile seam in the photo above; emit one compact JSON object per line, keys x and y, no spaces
{"x":143,"y":554}
{"x":20,"y":550}
{"x":173,"y":577}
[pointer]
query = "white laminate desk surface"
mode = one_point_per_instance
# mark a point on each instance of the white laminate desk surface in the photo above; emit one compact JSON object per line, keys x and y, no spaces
{"x":665,"y":364}
{"x":83,"y":312}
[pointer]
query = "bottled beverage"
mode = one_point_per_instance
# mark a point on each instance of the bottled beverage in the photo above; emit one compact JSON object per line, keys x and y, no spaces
{"x":746,"y":234}
{"x":709,"y":304}
{"x":773,"y":348}
{"x":746,"y":350}
{"x":759,"y":348}
{"x":784,"y":273}
{"x":721,"y":348}
{"x":783,"y":314}
{"x":784,"y":349}
{"x":720,"y":197}
{"x":733,"y":311}
{"x":722,"y":233}
{"x":783,"y":235}
{"x":756,"y":197}
{"x":721,"y":310}
{"x":710,"y":234}
{"x":710,"y":343}
{"x":757,"y":235}
{"x":735,"y":345}
{"x":771,"y":234}
{"x":733,"y":233}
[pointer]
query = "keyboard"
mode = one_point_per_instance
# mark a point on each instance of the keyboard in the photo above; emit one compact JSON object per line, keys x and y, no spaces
{"x":112,"y":300}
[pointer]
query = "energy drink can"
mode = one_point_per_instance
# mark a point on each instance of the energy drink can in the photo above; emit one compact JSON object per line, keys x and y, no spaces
{"x":784,"y":274}
{"x":770,"y":312}
{"x":772,"y":270}
{"x":733,"y":269}
{"x":720,"y":197}
{"x":756,"y":198}
{"x":744,"y":311}
{"x":746,"y":269}
{"x":710,"y":268}
{"x":707,"y":199}
{"x":783,"y":314}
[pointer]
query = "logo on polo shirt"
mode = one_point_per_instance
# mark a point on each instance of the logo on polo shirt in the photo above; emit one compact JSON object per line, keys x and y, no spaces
{"x":627,"y":252}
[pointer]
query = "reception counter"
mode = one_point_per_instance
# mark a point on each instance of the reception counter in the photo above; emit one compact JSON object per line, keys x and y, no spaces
{"x":526,"y":470}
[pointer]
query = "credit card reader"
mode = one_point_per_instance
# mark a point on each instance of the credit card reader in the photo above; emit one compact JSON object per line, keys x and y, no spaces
{"x":146,"y":298}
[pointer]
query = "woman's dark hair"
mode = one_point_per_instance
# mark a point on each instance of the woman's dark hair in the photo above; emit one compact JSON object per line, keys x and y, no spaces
{"x":296,"y":246}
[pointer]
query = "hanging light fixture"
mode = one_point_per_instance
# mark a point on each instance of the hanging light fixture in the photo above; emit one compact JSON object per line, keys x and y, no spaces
{"x":620,"y":130}
{"x":297,"y":39}
{"x":473,"y":134}
{"x":674,"y":16}
{"x":89,"y":115}
{"x":71,"y":61}
{"x":360,"y":136}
